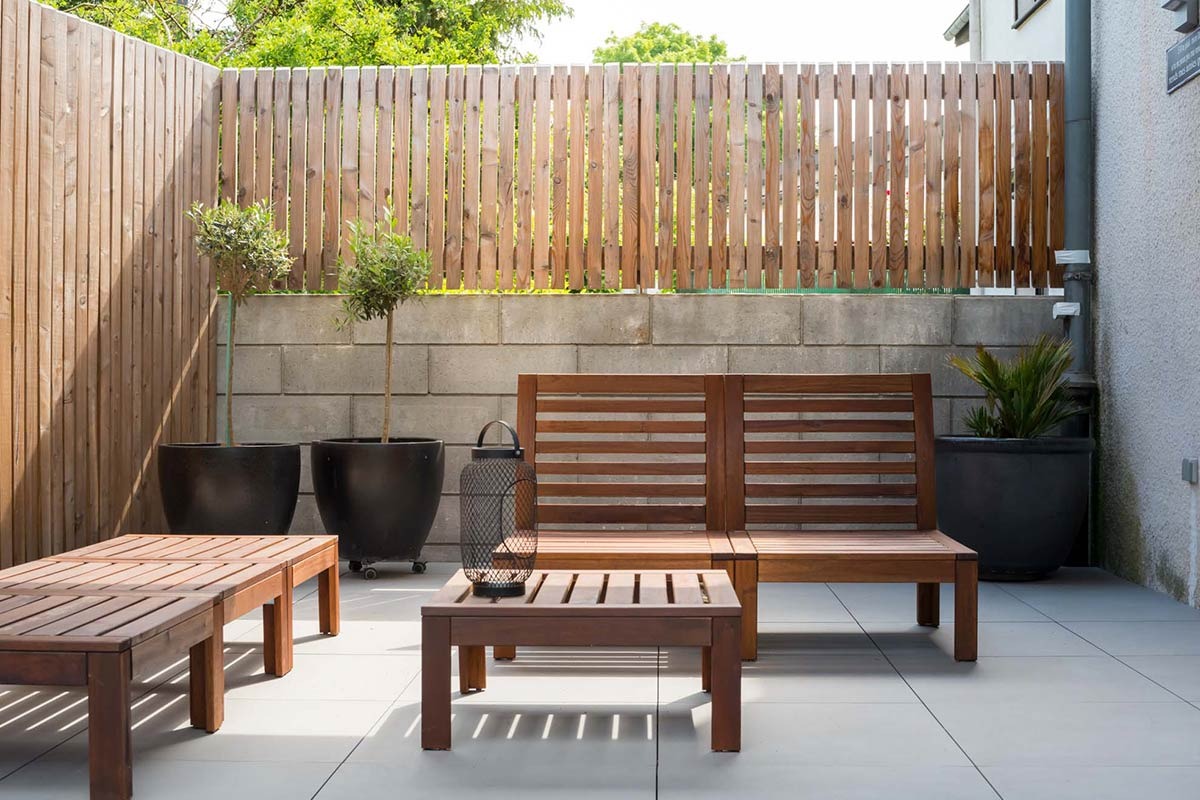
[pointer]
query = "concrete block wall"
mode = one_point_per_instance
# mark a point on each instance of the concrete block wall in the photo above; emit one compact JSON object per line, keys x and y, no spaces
{"x":301,"y":377}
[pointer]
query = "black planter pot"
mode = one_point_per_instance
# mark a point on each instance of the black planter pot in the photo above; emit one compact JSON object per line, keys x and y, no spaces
{"x":1019,"y":503}
{"x":380,"y":499}
{"x":247,"y":489}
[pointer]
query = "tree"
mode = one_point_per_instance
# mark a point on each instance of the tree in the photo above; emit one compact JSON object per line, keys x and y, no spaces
{"x":659,"y":43}
{"x":297,"y":33}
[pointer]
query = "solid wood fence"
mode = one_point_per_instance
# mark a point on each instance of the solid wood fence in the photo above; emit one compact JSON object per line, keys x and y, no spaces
{"x":706,"y":176}
{"x":105,"y":342}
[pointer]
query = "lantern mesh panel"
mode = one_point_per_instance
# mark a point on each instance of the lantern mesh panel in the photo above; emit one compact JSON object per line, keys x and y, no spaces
{"x":498,"y":503}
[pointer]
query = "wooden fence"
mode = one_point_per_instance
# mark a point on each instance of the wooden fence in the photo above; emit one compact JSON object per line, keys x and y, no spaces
{"x":105,"y":341}
{"x":706,"y":176}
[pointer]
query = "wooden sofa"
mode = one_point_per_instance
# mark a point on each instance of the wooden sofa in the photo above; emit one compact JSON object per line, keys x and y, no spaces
{"x":831,"y":478}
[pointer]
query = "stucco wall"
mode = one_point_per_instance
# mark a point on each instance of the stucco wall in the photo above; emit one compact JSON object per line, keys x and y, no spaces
{"x":1042,"y":37}
{"x":1148,"y":308}
{"x":299,"y":377}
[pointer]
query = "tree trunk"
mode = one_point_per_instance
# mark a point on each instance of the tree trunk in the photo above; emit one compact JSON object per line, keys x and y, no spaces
{"x":229,"y":372}
{"x":387,"y":381}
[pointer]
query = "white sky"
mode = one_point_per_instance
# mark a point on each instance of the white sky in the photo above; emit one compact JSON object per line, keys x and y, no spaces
{"x":762,"y":30}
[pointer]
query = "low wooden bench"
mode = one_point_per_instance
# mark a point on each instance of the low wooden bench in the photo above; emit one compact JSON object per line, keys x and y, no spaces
{"x":101,"y":641}
{"x":233,"y":589}
{"x":630,"y":471}
{"x":831,"y":478}
{"x":645,"y":608}
{"x":301,"y":557}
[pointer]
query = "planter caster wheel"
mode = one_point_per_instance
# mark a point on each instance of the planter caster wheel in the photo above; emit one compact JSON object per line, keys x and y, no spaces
{"x":419,"y":567}
{"x":356,"y":566}
{"x":370,"y":573}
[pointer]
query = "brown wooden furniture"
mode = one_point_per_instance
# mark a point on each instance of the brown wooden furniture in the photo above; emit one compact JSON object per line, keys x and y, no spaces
{"x":692,"y":608}
{"x":630,"y":471}
{"x":232,"y":588}
{"x":831,"y":479}
{"x":101,"y":641}
{"x":301,"y":558}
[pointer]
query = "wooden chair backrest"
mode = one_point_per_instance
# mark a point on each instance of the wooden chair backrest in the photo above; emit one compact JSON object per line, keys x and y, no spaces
{"x":830,"y":451}
{"x":622,"y":450}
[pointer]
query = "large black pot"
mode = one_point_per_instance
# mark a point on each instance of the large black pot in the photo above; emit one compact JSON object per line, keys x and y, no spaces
{"x":380,"y":499}
{"x":1019,"y":503}
{"x":246,"y":489}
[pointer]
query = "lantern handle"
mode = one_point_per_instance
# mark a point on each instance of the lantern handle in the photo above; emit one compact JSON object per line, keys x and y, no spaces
{"x":516,"y":440}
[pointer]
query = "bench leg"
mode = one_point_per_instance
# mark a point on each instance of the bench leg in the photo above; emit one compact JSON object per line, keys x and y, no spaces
{"x":110,"y":751}
{"x":329,"y":600}
{"x":706,"y":669}
{"x":472,"y":668}
{"x":726,"y":684}
{"x":435,"y":683}
{"x":206,"y":678}
{"x":966,"y":610}
{"x":929,"y":604}
{"x":277,"y":632}
{"x":504,"y":652}
{"x":744,"y":575}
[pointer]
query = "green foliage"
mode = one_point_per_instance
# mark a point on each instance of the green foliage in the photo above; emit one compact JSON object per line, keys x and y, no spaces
{"x":247,"y":251}
{"x":1025,"y":397}
{"x":387,"y":269}
{"x":659,"y":43}
{"x":297,"y":33}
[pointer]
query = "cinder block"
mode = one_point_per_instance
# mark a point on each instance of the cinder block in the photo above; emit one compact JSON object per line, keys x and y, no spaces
{"x":493,"y":370}
{"x":876,"y":319}
{"x":943,"y":417}
{"x":1004,"y":320}
{"x":446,"y":528}
{"x":653,"y":358}
{"x":306,"y":484}
{"x":285,"y":319}
{"x":804,"y":360}
{"x":353,"y":369}
{"x":457,"y":457}
{"x":453,"y":419}
{"x":575,"y":319}
{"x":284,"y":418}
{"x":441,"y":553}
{"x":725,"y":319}
{"x":438,"y":319}
{"x":256,"y":370}
{"x":307,"y":519}
{"x":947,"y":380}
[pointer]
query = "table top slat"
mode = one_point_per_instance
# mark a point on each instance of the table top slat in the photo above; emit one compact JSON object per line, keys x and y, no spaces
{"x":554,"y":589}
{"x":588,"y":588}
{"x":686,"y":589}
{"x":719,"y":590}
{"x":653,"y":589}
{"x":620,"y":589}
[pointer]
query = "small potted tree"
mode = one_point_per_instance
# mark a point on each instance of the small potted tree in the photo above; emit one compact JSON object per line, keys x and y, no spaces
{"x":1014,"y":492}
{"x":235,"y":487}
{"x":380,"y":494}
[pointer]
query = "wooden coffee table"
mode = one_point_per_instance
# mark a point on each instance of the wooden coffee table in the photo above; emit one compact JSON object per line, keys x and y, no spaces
{"x":643,"y":608}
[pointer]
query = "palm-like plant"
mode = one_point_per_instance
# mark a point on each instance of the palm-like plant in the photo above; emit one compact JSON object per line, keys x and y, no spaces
{"x":1025,"y":397}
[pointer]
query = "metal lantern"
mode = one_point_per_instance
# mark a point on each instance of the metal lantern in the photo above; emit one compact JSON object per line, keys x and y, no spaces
{"x":498,"y":501}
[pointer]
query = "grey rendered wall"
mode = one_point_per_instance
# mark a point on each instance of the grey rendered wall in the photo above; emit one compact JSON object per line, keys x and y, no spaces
{"x":299,"y":377}
{"x":1148,"y":307}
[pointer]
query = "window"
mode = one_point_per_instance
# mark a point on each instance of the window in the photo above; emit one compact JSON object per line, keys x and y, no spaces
{"x":1023,"y":10}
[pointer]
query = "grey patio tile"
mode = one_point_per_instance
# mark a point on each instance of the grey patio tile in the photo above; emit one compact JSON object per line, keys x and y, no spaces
{"x":723,"y":777}
{"x":897,"y":602}
{"x":995,"y":639}
{"x":66,"y":779}
{"x":1146,"y":638}
{"x":943,"y":682}
{"x":400,"y":638}
{"x":1093,"y":783}
{"x":806,"y":734}
{"x":324,"y":677}
{"x":34,"y":719}
{"x":1064,"y":735}
{"x":1179,"y":674}
{"x":799,"y":602}
{"x":1092,"y":595}
{"x":454,"y":775}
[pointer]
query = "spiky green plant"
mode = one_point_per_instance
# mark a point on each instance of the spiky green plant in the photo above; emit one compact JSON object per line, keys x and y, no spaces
{"x":1024,"y":397}
{"x":248,"y":254}
{"x":386,"y":271}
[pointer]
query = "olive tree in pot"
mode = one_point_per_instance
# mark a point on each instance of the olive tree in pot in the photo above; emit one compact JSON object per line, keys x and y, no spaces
{"x":379,"y":494}
{"x":235,"y":487}
{"x":1013,"y":492}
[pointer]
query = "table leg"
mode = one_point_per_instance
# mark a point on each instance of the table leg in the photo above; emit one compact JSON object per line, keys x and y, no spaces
{"x":277,"y":631}
{"x":966,"y":610}
{"x":206,"y":678}
{"x":726,"y":684}
{"x":929,"y":604}
{"x":435,"y":683}
{"x":472,"y":668}
{"x":504,"y":652}
{"x":110,"y":751}
{"x":706,"y":669}
{"x":329,"y":600}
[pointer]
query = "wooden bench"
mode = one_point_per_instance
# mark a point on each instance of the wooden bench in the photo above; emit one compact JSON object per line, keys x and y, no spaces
{"x":831,"y":478}
{"x":101,"y":641}
{"x":647,"y":608}
{"x":301,"y":557}
{"x":233,"y":589}
{"x":630,"y":471}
